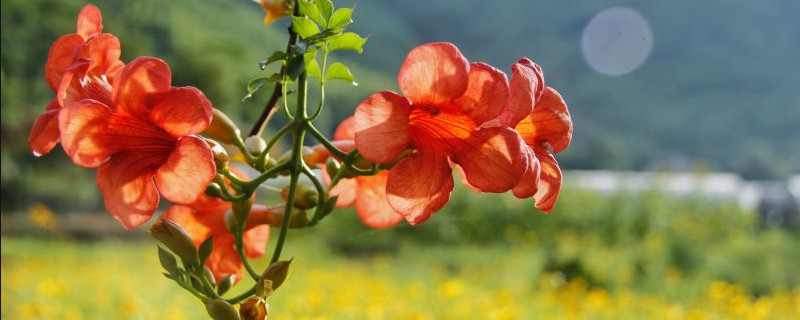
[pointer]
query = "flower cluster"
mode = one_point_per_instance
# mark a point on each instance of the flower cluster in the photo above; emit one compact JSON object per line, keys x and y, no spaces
{"x":393,"y":159}
{"x":125,"y":120}
{"x":501,"y":135}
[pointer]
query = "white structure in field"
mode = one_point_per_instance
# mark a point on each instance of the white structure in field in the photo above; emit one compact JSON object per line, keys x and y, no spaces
{"x":708,"y":185}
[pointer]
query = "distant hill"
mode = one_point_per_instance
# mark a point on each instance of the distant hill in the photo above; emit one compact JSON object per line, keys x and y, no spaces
{"x":718,"y":91}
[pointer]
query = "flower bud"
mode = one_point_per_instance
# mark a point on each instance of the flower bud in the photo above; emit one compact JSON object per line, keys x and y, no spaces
{"x":275,"y":275}
{"x":255,"y":144}
{"x":332,"y":167}
{"x":220,"y":155}
{"x":241,"y":209}
{"x":214,"y":190}
{"x":254,"y":308}
{"x":299,"y":218}
{"x":305,"y":197}
{"x":219,"y":309}
{"x":231,"y":222}
{"x":176,"y":239}
{"x":222,"y":128}
{"x":209,"y":275}
{"x":225,"y":284}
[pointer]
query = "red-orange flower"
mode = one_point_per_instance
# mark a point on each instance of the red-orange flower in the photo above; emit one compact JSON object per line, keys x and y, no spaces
{"x":367,"y":193}
{"x":441,"y":118}
{"x":79,"y":66}
{"x":546,"y":128}
{"x":147,"y":132}
{"x":206,"y":218}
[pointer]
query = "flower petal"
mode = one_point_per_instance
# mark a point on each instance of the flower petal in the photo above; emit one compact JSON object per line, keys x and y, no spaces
{"x":419,"y":185}
{"x":45,"y":134}
{"x":549,"y":181}
{"x":492,"y":158}
{"x":255,"y":241}
{"x":187,"y":172}
{"x":346,"y":130}
{"x":103,"y":51}
{"x":526,"y":85}
{"x":346,"y":189}
{"x":434,"y":74}
{"x":486,"y":93}
{"x":381,"y":126}
{"x":128,"y":190}
{"x":61,"y":56}
{"x":90,"y":22}
{"x":224,"y":260}
{"x":182,"y":111}
{"x":550,"y":122}
{"x":528,"y":183}
{"x":83,"y":127}
{"x":138,"y":80}
{"x":76,"y":86}
{"x":371,"y":204}
{"x":190,"y":221}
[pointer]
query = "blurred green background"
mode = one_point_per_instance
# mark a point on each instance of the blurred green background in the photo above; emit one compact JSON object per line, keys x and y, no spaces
{"x":718,"y":92}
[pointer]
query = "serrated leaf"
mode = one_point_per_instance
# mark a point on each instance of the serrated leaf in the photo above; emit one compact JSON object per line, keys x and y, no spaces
{"x":168,"y":261}
{"x":304,"y":27}
{"x":341,"y":72}
{"x":340,"y":18}
{"x":205,"y":249}
{"x":347,"y":41}
{"x":311,"y":11}
{"x":325,"y":8}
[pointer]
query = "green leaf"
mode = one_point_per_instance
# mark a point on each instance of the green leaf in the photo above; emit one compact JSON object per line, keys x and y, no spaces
{"x":304,"y":27}
{"x":340,"y":18}
{"x":168,"y":261}
{"x":295,"y":66}
{"x":276,"y":56}
{"x":341,"y":72}
{"x":322,"y":36}
{"x":205,"y":249}
{"x":312,"y":68}
{"x":347,"y":41}
{"x":310,"y":10}
{"x":325,"y":8}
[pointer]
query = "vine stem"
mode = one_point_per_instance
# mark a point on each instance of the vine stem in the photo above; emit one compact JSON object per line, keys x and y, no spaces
{"x":277,"y":92}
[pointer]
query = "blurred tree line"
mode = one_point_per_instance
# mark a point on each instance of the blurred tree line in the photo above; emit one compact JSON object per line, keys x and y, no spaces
{"x":719,"y":88}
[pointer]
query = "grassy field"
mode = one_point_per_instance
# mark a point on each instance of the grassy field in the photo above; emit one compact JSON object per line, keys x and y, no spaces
{"x":54,"y":279}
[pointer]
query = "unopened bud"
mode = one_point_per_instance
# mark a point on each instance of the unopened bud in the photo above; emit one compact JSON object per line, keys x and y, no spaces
{"x":214,"y":190}
{"x":175,"y":239}
{"x":241,"y":209}
{"x":315,"y":156}
{"x":225,"y":284}
{"x":332,"y":167}
{"x":220,"y":155}
{"x":209,"y":275}
{"x":231,"y":222}
{"x":219,"y":309}
{"x":299,"y":218}
{"x":305,"y":197}
{"x":275,"y":275}
{"x":222,"y":128}
{"x":254,"y":308}
{"x":255,"y":144}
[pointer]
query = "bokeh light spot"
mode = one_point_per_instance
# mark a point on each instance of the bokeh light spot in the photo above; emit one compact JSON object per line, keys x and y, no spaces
{"x":617,"y":41}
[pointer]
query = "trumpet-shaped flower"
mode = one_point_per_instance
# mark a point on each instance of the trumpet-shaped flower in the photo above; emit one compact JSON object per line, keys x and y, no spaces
{"x":206,"y":218}
{"x":441,"y":118}
{"x":79,"y":66}
{"x":145,"y":134}
{"x":367,"y":193}
{"x":275,"y":9}
{"x":541,"y":117}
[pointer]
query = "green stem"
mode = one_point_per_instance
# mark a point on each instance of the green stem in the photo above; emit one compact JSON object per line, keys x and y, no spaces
{"x":296,"y":163}
{"x":324,"y":141}
{"x":321,"y":85}
{"x":240,"y":251}
{"x":242,"y":296}
{"x":274,"y":140}
{"x":194,"y":291}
